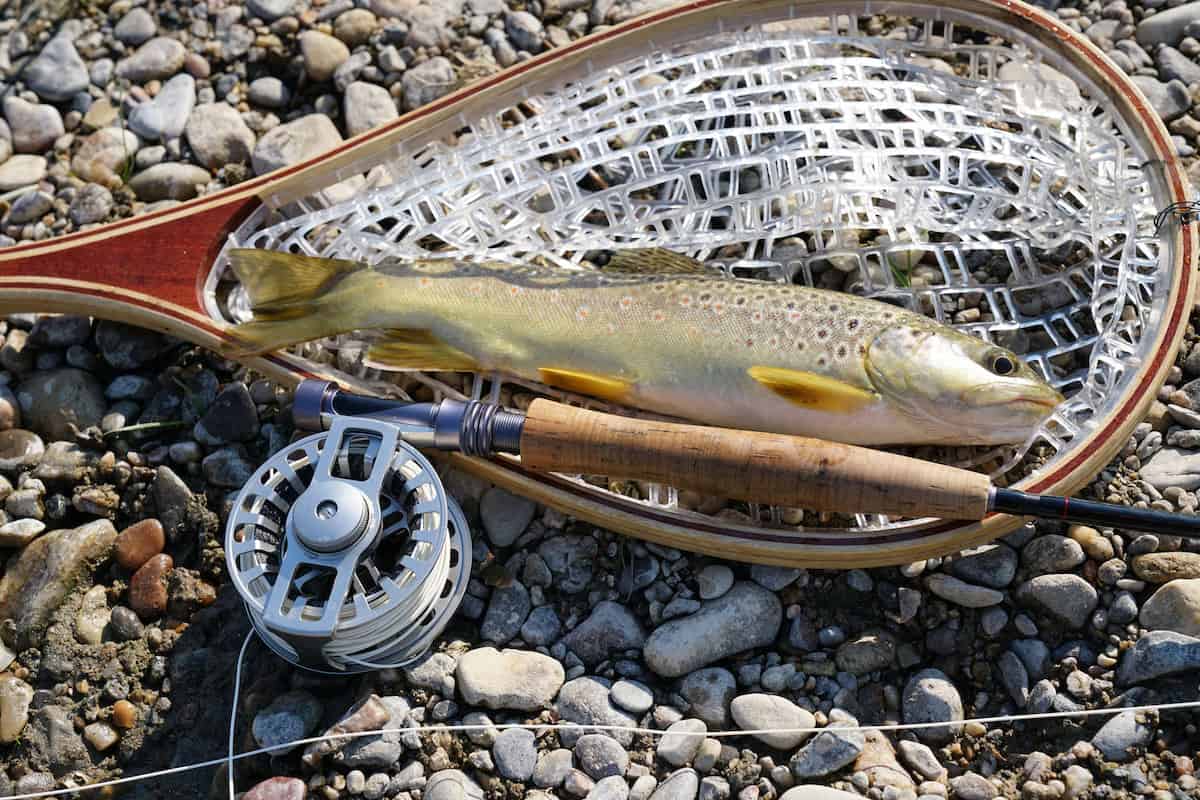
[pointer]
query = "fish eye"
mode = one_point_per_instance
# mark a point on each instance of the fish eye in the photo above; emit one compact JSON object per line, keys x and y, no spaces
{"x":1003,"y":365}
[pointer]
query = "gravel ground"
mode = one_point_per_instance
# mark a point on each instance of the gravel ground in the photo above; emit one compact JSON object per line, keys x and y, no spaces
{"x":119,"y":631}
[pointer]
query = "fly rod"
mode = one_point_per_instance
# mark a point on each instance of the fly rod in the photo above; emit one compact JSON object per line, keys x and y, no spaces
{"x":743,"y":465}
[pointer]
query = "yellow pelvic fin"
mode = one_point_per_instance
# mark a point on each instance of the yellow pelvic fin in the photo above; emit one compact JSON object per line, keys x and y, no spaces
{"x":656,"y":261}
{"x":274,"y":280}
{"x":402,"y":348}
{"x":812,"y":390}
{"x":604,"y":387}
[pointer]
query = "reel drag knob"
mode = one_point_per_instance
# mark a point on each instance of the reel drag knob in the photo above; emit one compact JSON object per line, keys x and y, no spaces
{"x":346,"y":550}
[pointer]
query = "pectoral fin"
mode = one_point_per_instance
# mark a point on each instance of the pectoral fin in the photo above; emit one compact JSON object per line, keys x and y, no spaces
{"x":401,"y":349}
{"x":811,"y":390}
{"x":656,"y":261}
{"x":604,"y":387}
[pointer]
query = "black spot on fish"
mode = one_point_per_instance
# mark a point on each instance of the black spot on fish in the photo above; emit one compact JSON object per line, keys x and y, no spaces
{"x":821,"y":361}
{"x":800,"y":345}
{"x":741,"y":301}
{"x":704,"y":298}
{"x":842,"y":351}
{"x":791,"y":306}
{"x":852,"y":325}
{"x":822,"y":334}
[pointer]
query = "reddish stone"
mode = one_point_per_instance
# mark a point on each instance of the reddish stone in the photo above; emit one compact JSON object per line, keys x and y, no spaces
{"x":140,"y":542}
{"x":124,"y":714}
{"x":277,"y":789}
{"x":148,"y":587}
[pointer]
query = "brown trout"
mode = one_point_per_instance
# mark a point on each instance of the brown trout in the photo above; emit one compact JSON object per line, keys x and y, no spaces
{"x":661,"y":332}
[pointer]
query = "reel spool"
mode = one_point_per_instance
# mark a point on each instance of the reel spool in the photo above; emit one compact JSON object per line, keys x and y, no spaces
{"x":347,"y":551}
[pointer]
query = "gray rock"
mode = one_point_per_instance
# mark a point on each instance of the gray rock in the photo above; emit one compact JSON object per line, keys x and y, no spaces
{"x":1174,"y":65}
{"x":714,"y":581}
{"x":427,"y":82}
{"x":1034,"y":654}
{"x":1122,"y":735}
{"x":747,"y":616}
{"x":1157,"y":654}
{"x":229,"y":467}
{"x":632,"y":696}
{"x":58,"y":73}
{"x":125,"y":624}
{"x":20,"y":171}
{"x":1166,"y":27}
{"x":1068,"y":599}
{"x":1051,"y":553}
{"x":585,"y":701}
{"x":600,"y":756}
{"x":218,"y":136}
{"x":293,"y":142}
{"x":451,"y":784}
{"x":929,"y":696}
{"x":34,"y":127}
{"x":638,"y":573}
{"x":289,"y":717}
{"x":434,"y":672}
{"x":29,"y":208}
{"x":611,"y":626}
{"x":542,"y":627}
{"x":231,"y":418}
{"x":762,"y":711}
{"x":569,"y":559}
{"x":866,"y":653}
{"x":136,"y":27}
{"x":682,"y":784}
{"x":1171,"y":101}
{"x":50,"y":738}
{"x":270,"y":10}
{"x":167,"y":114}
{"x":774,"y":578}
{"x":525,"y":30}
{"x":1014,"y":677}
{"x":506,"y":613}
{"x":1174,"y":606}
{"x":268,"y":92}
{"x":92,"y":204}
{"x":613,"y":787}
{"x":505,"y":516}
{"x":170,"y":181}
{"x":526,"y":681}
{"x":157,"y":59}
{"x":515,"y":754}
{"x":972,"y":786}
{"x":920,"y":759}
{"x":682,"y":739}
{"x":366,"y":106}
{"x":52,"y":402}
{"x":710,"y":692}
{"x":552,"y":768}
{"x":993,"y":565}
{"x":828,"y":751}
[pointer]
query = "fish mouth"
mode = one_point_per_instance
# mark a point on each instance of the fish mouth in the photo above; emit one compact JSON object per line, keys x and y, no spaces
{"x":1044,"y":401}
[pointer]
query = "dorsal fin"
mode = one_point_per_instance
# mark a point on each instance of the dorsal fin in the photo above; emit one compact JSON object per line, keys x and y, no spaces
{"x":655,"y":261}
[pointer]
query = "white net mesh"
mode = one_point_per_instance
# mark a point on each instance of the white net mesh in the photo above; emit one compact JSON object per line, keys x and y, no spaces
{"x":927,"y":165}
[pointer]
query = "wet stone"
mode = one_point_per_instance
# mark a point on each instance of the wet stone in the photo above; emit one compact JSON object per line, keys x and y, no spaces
{"x":125,"y":624}
{"x":148,"y":587}
{"x":138,"y":543}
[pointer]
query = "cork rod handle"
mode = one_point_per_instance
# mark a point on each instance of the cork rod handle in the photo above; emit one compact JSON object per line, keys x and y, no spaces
{"x":746,"y":465}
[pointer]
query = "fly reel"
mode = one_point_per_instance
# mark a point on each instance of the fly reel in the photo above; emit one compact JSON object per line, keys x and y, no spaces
{"x":347,"y":551}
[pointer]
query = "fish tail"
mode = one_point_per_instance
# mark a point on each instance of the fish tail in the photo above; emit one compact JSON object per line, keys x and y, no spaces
{"x":286,"y":292}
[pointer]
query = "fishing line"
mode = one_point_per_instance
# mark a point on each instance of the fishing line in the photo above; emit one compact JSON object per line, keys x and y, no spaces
{"x":231,"y":757}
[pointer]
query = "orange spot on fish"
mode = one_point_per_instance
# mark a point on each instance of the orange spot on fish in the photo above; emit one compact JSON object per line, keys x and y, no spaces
{"x":582,"y":312}
{"x":757,"y":316}
{"x":424,"y":281}
{"x":659,"y":316}
{"x":626,"y":302}
{"x":685,"y":301}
